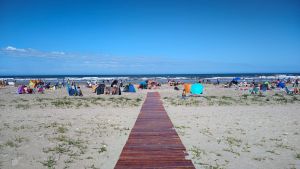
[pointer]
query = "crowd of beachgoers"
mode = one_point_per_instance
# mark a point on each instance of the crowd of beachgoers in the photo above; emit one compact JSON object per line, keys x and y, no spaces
{"x":235,"y":124}
{"x":290,"y":86}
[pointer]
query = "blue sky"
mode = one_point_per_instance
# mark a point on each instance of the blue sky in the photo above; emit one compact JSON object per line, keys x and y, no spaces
{"x":149,"y":36}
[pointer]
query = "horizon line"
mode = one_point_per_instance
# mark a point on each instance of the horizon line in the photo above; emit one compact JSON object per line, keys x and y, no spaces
{"x":130,"y":74}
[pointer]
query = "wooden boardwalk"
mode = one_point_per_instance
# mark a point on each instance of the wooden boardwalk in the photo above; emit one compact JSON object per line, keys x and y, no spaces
{"x":153,"y":142}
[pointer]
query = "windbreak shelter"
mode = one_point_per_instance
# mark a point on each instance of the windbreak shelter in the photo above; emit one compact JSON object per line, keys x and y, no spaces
{"x":187,"y":87}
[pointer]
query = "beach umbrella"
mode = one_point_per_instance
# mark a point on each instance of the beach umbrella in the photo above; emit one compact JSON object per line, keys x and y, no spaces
{"x":197,"y":88}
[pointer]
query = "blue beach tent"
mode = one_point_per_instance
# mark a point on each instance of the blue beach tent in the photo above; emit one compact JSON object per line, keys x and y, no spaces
{"x":197,"y":88}
{"x":281,"y":84}
{"x":131,"y":88}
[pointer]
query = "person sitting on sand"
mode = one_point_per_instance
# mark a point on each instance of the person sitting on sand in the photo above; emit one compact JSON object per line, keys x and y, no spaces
{"x":296,"y":82}
{"x":79,"y":92}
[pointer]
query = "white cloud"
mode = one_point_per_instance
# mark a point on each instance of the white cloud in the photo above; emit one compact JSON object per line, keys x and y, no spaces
{"x":29,"y":52}
{"x":58,"y":53}
{"x":94,"y":61}
{"x":11,"y":48}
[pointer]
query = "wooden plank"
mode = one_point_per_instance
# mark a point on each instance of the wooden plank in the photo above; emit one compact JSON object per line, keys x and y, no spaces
{"x":153,"y":142}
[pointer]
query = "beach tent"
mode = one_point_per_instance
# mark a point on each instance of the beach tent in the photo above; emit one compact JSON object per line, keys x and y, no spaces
{"x":21,"y":89}
{"x":281,"y":85}
{"x":100,"y":89}
{"x":187,"y":87}
{"x":197,"y":88}
{"x":143,"y":85}
{"x":131,"y":88}
{"x":32,"y":83}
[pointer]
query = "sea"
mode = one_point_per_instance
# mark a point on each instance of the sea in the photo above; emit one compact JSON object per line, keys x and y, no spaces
{"x":161,"y":78}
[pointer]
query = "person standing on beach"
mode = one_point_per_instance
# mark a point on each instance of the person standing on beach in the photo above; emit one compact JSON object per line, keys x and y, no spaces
{"x":63,"y":82}
{"x":296,"y":82}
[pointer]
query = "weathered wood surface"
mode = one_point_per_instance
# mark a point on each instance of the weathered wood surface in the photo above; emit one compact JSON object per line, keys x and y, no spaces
{"x":153,"y":141}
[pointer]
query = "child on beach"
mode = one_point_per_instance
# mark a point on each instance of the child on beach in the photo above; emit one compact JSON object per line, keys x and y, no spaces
{"x":79,"y":91}
{"x":183,"y":94}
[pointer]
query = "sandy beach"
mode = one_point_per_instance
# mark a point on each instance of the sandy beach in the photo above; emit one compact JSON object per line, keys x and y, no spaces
{"x":224,"y":128}
{"x":76,"y":77}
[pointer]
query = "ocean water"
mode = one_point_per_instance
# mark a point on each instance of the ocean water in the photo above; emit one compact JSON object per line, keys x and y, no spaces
{"x":163,"y":78}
